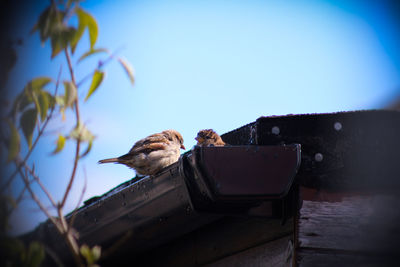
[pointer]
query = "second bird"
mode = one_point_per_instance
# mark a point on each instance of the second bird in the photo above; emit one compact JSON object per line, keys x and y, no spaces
{"x":150,"y":155}
{"x":209,"y":137}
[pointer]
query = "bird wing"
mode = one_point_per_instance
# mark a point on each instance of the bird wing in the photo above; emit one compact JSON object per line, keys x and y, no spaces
{"x":149,"y":144}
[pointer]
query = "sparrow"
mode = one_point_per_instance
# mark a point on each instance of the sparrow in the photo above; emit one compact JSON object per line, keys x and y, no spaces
{"x":209,"y":138}
{"x":153,"y":153}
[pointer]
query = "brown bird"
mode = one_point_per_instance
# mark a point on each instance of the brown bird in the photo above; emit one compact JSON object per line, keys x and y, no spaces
{"x":209,"y":138}
{"x":151,"y":154}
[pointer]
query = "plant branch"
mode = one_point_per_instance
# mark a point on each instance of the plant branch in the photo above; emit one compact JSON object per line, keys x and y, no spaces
{"x":40,"y":132}
{"x":73,"y":216}
{"x":69,"y":237}
{"x":25,"y":179}
{"x":21,"y":195}
{"x":78,"y":141}
{"x":36,"y":178}
{"x":60,"y":225}
{"x":100,"y":65}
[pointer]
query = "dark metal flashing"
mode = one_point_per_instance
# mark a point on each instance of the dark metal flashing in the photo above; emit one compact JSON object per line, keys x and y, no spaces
{"x":356,"y":150}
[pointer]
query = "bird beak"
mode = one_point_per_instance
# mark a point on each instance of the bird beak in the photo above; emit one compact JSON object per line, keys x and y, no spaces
{"x":183,"y":147}
{"x":196,"y":138}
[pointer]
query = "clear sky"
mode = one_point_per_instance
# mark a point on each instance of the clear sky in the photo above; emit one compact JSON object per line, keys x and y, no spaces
{"x":209,"y":64}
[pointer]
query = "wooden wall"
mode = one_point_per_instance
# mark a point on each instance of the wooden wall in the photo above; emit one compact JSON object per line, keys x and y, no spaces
{"x":348,"y":230}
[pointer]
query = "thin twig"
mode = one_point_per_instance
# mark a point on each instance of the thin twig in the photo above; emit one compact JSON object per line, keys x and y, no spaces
{"x":20,"y":196}
{"x":73,"y":216}
{"x":10,"y":179}
{"x":69,"y":12}
{"x":60,"y":225}
{"x":36,"y":199}
{"x":37,"y":179}
{"x":100,"y":65}
{"x":69,"y":238}
{"x":78,"y":141}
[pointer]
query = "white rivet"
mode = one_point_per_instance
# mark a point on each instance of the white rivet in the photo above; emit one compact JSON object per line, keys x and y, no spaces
{"x":337,"y":126}
{"x":275,"y":130}
{"x":319,"y":157}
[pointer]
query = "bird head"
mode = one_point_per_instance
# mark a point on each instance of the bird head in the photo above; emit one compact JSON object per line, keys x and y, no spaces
{"x":209,"y":138}
{"x":174,"y":136}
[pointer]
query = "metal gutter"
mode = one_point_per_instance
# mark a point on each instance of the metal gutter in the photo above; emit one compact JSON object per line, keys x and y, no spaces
{"x":206,"y":184}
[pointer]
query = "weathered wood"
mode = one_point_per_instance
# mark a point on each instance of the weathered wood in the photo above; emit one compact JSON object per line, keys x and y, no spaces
{"x":312,"y":258}
{"x":275,"y":253}
{"x":356,"y":229}
{"x":218,"y":240}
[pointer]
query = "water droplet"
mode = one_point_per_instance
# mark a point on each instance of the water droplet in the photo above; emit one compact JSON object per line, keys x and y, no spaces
{"x":337,"y":126}
{"x":188,"y":209}
{"x":275,"y":130}
{"x":318,"y":157}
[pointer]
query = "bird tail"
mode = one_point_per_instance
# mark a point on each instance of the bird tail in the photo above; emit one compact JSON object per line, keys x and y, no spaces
{"x":115,"y":160}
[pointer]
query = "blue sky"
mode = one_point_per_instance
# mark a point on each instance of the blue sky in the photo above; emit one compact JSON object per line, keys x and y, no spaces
{"x":209,"y":64}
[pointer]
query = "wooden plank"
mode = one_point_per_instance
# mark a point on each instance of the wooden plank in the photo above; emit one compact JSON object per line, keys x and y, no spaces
{"x":356,"y":223}
{"x":357,"y":229}
{"x":218,"y":240}
{"x":312,"y":258}
{"x":274,"y":253}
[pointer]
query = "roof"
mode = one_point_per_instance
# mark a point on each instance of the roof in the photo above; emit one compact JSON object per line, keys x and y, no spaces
{"x":253,"y":177}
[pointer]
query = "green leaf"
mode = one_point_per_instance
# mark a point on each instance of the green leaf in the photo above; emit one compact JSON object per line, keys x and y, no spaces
{"x":86,"y":253}
{"x":35,"y":254}
{"x":128,"y":69}
{"x":89,"y":147}
{"x":50,"y":98}
{"x":34,"y":91}
{"x":42,"y":24}
{"x":60,"y":144}
{"x":28,"y":122}
{"x":85,"y":20}
{"x":92,"y":52}
{"x":78,"y":34}
{"x":44,"y":103}
{"x":20,"y":103}
{"x":25,"y":101}
{"x":93,"y":29}
{"x":36,"y":101}
{"x":60,"y":39}
{"x":40,"y":82}
{"x":96,"y":252}
{"x":70,"y":94}
{"x":98,"y":77}
{"x":91,"y":255}
{"x":49,"y":23}
{"x":27,"y":97}
{"x":14,"y":143}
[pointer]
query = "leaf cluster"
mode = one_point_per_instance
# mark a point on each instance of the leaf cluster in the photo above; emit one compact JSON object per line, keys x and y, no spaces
{"x":15,"y":253}
{"x":52,"y":24}
{"x":33,"y":108}
{"x":30,"y":106}
{"x":91,"y":255}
